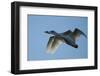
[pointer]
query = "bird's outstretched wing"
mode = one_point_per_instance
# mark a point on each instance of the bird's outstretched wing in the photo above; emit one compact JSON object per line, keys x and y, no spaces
{"x":53,"y":44}
{"x":77,"y":32}
{"x":49,"y":44}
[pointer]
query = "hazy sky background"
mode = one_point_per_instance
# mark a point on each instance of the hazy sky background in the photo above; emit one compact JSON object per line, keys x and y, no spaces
{"x":37,"y":39}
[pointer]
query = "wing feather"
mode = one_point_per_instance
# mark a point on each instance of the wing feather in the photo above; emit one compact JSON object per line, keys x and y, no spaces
{"x":51,"y":39}
{"x":79,"y":32}
{"x":76,"y":34}
{"x":53,"y":44}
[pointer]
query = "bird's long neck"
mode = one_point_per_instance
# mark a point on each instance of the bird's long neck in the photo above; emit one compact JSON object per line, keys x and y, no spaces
{"x":54,"y":33}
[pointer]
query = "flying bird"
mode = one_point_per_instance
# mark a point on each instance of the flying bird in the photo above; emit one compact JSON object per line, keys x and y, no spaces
{"x":67,"y":37}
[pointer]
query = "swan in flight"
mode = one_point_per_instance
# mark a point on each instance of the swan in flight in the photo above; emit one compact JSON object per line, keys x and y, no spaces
{"x":67,"y":37}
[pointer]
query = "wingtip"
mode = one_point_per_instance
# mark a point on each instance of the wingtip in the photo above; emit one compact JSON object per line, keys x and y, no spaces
{"x":81,"y":32}
{"x":50,"y":52}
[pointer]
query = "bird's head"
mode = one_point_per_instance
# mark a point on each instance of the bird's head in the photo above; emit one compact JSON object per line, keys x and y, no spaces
{"x":52,"y":32}
{"x":46,"y":32}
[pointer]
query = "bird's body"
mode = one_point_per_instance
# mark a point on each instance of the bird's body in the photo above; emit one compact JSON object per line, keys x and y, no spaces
{"x":67,"y":37}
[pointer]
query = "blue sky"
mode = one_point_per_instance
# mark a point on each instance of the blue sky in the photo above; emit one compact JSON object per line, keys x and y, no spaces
{"x":37,"y":39}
